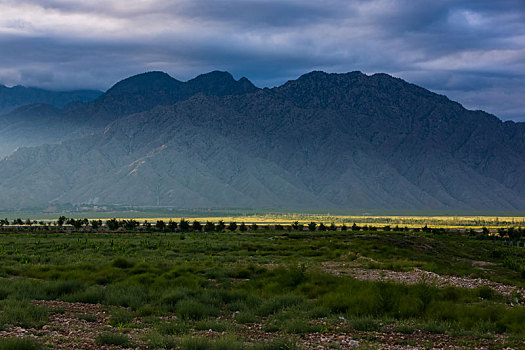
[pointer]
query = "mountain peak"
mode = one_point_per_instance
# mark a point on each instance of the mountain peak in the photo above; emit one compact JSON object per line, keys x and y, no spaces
{"x":144,"y":82}
{"x":220,"y":83}
{"x":215,"y":75}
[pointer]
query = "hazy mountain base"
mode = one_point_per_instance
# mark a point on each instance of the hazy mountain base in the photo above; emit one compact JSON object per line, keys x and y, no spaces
{"x":322,"y":141}
{"x":17,"y":96}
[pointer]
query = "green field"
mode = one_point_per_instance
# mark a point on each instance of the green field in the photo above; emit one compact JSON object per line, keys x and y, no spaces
{"x":264,"y":289}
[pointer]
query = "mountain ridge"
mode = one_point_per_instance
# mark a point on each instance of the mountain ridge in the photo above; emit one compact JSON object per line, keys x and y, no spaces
{"x":17,"y":96}
{"x":320,"y":141}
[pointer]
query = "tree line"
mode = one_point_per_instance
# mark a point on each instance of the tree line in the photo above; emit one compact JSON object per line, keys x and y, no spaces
{"x":185,"y":225}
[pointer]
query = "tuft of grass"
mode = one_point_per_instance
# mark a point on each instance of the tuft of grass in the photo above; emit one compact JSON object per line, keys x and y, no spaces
{"x":90,"y":295}
{"x":87,"y":317}
{"x":278,"y":303}
{"x":195,"y":343}
{"x":22,"y":313}
{"x":190,"y":309}
{"x":365,"y":324}
{"x":247,"y":316}
{"x":227,"y":343}
{"x":404,"y":328}
{"x":122,"y":263}
{"x":173,"y":328}
{"x":436,"y":327}
{"x":214,"y":325}
{"x":277,"y":344}
{"x":121,"y":317}
{"x":108,"y":338}
{"x":20,"y":344}
{"x":158,"y":341}
{"x":57,"y":289}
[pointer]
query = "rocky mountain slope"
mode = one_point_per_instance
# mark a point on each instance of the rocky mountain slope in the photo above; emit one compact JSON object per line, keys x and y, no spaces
{"x":321,"y":141}
{"x":42,"y":123}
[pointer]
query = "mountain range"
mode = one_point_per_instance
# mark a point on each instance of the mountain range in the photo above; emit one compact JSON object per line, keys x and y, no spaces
{"x":17,"y":96}
{"x":322,"y":141}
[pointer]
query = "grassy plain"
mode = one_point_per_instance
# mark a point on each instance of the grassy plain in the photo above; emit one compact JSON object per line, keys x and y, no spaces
{"x":259,"y":290}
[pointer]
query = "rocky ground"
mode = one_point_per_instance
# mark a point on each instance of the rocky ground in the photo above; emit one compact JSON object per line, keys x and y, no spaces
{"x":418,"y":275}
{"x":75,"y":325}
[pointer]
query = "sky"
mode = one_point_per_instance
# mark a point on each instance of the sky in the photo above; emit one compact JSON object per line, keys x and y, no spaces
{"x":473,"y":51}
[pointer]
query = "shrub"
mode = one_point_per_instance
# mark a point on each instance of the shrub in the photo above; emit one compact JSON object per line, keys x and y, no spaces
{"x":246,"y":316}
{"x":172,"y":297}
{"x":195,"y":343}
{"x":122,"y":263}
{"x":436,"y":327}
{"x":91,"y":295}
{"x":20,"y":344}
{"x":157,"y":341}
{"x":214,"y":325}
{"x":227,"y":343}
{"x":121,"y":317}
{"x":125,"y":295}
{"x":190,"y":309}
{"x":278,"y":303}
{"x":22,"y":313}
{"x":87,"y":317}
{"x":300,"y":326}
{"x":3,"y":294}
{"x":277,"y":344}
{"x":108,"y":338}
{"x":365,"y":324}
{"x":173,"y":328}
{"x":56,"y":289}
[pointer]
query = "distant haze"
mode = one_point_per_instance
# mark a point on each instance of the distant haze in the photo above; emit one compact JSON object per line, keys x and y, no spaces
{"x":471,"y":51}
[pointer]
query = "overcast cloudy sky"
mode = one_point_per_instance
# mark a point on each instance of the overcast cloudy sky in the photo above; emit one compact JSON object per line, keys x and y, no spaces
{"x":470,"y":50}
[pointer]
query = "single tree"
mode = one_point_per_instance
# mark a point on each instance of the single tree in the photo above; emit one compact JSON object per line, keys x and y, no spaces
{"x":297,"y":226}
{"x":131,"y":224}
{"x":196,"y":226}
{"x":61,"y":221}
{"x":94,"y":224}
{"x":184,"y":225}
{"x":112,"y":224}
{"x":232,"y":226}
{"x":209,"y":227}
{"x":160,"y":225}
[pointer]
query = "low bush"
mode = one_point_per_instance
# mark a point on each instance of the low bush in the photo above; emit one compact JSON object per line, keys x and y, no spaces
{"x":120,"y":317}
{"x":191,"y":309}
{"x":20,"y":344}
{"x":22,"y":313}
{"x":117,"y":339}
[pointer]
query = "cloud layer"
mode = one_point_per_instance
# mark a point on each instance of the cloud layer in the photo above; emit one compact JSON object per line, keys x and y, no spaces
{"x":472,"y":51}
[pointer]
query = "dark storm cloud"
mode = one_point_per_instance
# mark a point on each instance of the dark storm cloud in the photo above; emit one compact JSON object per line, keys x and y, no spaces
{"x":472,"y":51}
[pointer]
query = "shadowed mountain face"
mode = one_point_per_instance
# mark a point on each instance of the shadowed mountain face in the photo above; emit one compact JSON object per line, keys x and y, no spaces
{"x":321,"y":141}
{"x":41,"y":123}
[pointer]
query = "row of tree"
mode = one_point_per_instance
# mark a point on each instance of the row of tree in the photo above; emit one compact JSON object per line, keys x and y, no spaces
{"x":186,"y":226}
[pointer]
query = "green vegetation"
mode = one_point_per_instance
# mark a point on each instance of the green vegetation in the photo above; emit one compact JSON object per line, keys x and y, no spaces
{"x":19,"y":344}
{"x":112,"y":339}
{"x":290,"y":282}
